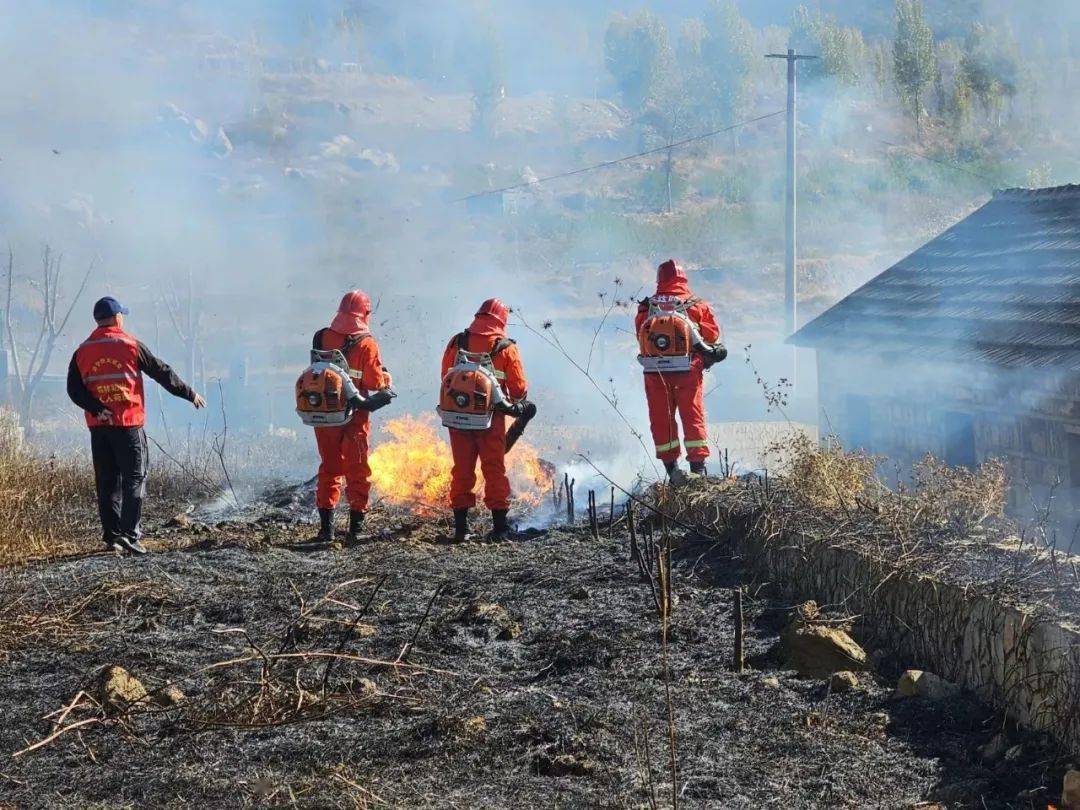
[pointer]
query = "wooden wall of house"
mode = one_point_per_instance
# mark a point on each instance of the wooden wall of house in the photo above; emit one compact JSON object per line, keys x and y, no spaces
{"x":901,"y":408}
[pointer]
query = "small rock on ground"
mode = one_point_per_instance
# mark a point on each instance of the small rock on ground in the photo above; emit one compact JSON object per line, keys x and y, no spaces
{"x":917,"y":683}
{"x":843,"y":681}
{"x":116,"y":689}
{"x":815,"y":651}
{"x":1070,"y":794}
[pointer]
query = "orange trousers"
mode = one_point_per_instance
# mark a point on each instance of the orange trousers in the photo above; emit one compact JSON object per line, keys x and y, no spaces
{"x":343,"y":454}
{"x":683,"y":393}
{"x":489,"y":446}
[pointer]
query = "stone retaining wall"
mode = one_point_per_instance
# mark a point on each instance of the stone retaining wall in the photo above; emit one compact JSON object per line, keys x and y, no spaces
{"x":1023,"y":663}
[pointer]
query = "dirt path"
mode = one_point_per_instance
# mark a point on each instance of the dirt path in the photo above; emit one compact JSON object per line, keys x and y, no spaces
{"x":535,"y":680}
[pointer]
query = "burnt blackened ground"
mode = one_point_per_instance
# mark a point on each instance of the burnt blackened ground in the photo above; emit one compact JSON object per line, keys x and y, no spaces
{"x":536,"y":680}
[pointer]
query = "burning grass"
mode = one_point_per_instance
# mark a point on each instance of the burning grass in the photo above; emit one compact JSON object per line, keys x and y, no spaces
{"x":412,"y":467}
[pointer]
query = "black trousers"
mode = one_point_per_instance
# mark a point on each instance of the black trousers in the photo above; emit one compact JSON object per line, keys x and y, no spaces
{"x":120,"y":464}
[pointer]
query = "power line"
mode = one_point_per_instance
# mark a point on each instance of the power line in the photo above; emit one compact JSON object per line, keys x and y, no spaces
{"x":616,"y":161}
{"x":938,"y":161}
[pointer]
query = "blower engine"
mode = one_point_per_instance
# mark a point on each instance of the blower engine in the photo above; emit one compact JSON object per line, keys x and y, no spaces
{"x":667,"y":338}
{"x":470,"y":392}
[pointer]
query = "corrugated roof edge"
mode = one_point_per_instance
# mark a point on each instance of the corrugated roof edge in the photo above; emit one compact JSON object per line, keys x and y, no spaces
{"x":1049,"y":191}
{"x":804,"y":337}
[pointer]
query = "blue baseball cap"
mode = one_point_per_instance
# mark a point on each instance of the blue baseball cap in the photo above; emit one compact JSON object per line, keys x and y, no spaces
{"x":108,"y":307}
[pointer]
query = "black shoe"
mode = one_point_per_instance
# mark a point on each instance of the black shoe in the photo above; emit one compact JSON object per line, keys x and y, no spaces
{"x":461,"y":525}
{"x":675,"y":473}
{"x":131,"y":544}
{"x":326,"y":527}
{"x":698,"y":468}
{"x":112,"y":543}
{"x":356,"y":523}
{"x":500,"y":525}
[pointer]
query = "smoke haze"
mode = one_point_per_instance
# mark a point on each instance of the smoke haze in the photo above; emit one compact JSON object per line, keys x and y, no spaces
{"x":274,"y":155}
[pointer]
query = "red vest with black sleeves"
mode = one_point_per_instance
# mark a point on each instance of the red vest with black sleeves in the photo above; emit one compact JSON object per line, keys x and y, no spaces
{"x":109,"y":364}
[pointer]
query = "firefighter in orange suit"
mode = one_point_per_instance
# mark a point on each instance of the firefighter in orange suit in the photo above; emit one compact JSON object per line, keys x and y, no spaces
{"x":679,"y":338}
{"x":486,"y":336}
{"x":343,"y":449}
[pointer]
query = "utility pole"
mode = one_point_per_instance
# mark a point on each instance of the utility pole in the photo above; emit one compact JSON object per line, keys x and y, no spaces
{"x":790,"y":288}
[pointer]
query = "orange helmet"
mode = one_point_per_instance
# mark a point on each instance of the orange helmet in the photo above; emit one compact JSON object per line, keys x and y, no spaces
{"x":496,"y":309}
{"x":352,"y":313}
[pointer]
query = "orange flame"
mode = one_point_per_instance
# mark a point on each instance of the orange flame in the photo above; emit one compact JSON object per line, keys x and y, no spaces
{"x":412,"y":467}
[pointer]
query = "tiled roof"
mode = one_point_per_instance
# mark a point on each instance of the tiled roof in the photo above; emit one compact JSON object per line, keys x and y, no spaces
{"x":1001,"y":285}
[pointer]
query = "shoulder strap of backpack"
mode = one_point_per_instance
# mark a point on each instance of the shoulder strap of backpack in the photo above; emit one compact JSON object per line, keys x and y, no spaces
{"x":504,"y":343}
{"x":463,"y":341}
{"x":353,"y":342}
{"x":316,"y":341}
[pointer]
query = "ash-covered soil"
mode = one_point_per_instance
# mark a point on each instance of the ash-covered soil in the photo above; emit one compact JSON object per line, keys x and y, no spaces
{"x":535,"y":680}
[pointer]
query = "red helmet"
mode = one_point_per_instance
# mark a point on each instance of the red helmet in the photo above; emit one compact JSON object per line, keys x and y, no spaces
{"x":669,"y":271}
{"x":352,"y":313}
{"x":496,"y":309}
{"x":356,"y":302}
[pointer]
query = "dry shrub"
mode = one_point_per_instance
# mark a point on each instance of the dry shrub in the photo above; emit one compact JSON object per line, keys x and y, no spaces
{"x":43,"y":500}
{"x":825,"y":476}
{"x":958,"y":499}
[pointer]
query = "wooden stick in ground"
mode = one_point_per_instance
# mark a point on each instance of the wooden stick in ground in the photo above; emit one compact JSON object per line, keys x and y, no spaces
{"x":739,"y":659}
{"x":611,"y":516}
{"x":650,"y":548}
{"x":569,"y":498}
{"x":347,"y":635}
{"x":635,"y":552}
{"x":404,"y":654}
{"x":594,"y":521}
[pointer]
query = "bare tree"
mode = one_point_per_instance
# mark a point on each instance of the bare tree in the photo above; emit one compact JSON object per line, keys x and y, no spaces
{"x":186,"y":321}
{"x":29,"y":369}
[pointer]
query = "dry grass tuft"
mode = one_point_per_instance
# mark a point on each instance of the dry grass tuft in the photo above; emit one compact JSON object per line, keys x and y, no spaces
{"x":957,"y":499}
{"x":47,"y":502}
{"x":43,"y":500}
{"x":939,"y":499}
{"x":825,"y":475}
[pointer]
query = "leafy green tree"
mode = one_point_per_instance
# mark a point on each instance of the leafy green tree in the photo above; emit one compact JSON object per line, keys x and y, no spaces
{"x":881,"y":67}
{"x":638,"y":54}
{"x":959,"y":109}
{"x":992,"y":68}
{"x":717,"y":58}
{"x":842,"y":51}
{"x":914,"y":61}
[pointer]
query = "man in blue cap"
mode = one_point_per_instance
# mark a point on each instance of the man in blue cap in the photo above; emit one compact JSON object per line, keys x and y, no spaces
{"x":105,"y":380}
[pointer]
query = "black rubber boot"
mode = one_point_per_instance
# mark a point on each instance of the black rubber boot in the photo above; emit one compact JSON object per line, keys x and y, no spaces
{"x":698,"y":468}
{"x":326,"y":527}
{"x":461,"y":525}
{"x":500,"y":525}
{"x":675,"y":473}
{"x":356,"y":523}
